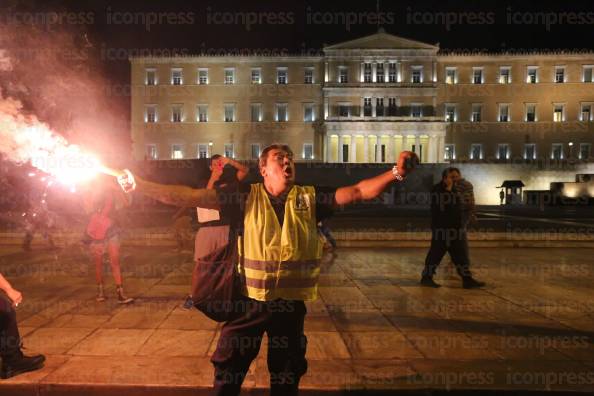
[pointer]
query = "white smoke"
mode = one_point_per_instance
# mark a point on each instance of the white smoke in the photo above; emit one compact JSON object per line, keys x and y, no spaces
{"x":52,"y":92}
{"x":24,"y":139}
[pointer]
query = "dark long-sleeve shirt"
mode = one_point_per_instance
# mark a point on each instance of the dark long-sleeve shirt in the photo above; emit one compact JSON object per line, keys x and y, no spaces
{"x":446,"y":208}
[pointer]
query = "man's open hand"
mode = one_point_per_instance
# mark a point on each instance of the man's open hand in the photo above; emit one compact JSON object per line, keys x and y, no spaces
{"x":406,"y":162}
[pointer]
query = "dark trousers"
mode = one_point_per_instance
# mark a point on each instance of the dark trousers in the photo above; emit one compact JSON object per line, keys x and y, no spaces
{"x":239,"y":344}
{"x":452,"y":241}
{"x":325,"y":230}
{"x":10,"y":341}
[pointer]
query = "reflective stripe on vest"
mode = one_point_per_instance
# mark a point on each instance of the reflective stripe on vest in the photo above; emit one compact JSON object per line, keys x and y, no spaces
{"x":280,"y":262}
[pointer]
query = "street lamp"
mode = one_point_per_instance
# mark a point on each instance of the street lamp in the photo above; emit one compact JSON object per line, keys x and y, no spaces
{"x":570,"y":149}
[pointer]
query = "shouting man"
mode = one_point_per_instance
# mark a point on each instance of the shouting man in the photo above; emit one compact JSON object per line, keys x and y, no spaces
{"x":279,"y":256}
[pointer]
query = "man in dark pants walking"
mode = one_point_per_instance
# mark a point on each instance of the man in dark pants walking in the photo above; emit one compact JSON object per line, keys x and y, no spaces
{"x":448,"y":232}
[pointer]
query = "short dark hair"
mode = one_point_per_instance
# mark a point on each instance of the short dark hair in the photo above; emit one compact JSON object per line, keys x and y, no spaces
{"x":449,"y":170}
{"x":264,"y":153}
{"x":214,"y":158}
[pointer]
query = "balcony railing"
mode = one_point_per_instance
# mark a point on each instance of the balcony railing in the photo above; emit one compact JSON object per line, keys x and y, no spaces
{"x":388,"y":112}
{"x":407,"y":84}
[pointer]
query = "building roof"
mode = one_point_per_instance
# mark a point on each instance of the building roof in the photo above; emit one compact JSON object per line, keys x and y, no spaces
{"x":512,"y":183}
{"x":381,"y":40}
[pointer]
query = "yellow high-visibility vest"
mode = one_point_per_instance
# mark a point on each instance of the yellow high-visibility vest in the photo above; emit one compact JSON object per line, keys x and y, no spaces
{"x":280,"y":262}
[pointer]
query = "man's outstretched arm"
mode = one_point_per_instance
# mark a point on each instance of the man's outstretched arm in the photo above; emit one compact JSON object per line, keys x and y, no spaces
{"x":174,"y":194}
{"x":372,"y":187}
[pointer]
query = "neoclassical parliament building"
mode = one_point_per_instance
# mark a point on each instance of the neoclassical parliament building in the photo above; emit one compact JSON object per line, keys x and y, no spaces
{"x":365,"y":100}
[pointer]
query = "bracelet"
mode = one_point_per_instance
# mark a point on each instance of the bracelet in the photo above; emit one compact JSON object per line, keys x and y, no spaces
{"x":397,"y":175}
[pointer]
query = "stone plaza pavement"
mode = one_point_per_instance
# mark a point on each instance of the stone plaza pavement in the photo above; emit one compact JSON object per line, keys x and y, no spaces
{"x":374,"y":330}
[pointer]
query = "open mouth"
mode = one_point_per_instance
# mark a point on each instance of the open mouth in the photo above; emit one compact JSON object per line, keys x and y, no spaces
{"x":288,"y":172}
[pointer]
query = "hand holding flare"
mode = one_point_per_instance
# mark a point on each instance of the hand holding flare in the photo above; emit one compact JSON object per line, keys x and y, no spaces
{"x":126,"y":181}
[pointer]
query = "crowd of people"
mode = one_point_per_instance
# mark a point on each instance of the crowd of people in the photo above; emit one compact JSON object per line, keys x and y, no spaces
{"x":276,"y":230}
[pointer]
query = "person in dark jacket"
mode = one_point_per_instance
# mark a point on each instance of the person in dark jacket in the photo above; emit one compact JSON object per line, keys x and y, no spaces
{"x":448,"y":231}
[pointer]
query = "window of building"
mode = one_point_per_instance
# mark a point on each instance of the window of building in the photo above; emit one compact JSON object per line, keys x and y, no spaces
{"x":530,"y":112}
{"x":151,"y":77}
{"x":450,"y":112}
{"x":417,"y":74}
{"x":392,"y":72}
{"x":585,"y":149}
{"x":229,"y":75}
{"x":476,"y":151}
{"x":532,"y":75}
{"x":177,"y":151}
{"x":344,"y":110}
{"x":202,"y":113}
{"x":176,"y":76}
{"x":416,"y":110}
{"x":558,"y":113}
{"x":343,"y":74}
{"x":367,"y":107}
{"x":229,"y":150}
{"x":530,"y":151}
{"x":255,"y":150}
{"x":449,"y":153}
{"x":281,"y":75}
{"x":392,"y":109}
{"x":379,"y":73}
{"x":308,"y":112}
{"x":345,"y":152}
{"x":587,"y":73}
{"x":308,"y":75}
{"x":382,"y":152}
{"x":176,"y":113}
{"x":559,"y":74}
{"x":308,"y":151}
{"x":150,"y":114}
{"x":504,"y":112}
{"x":503,"y":151}
{"x":477,"y":75}
{"x":379,"y":107}
{"x":202,"y":76}
{"x":203,"y":151}
{"x":477,"y":113}
{"x":256,"y":112}
{"x":451,"y":76}
{"x":256,"y":75}
{"x":151,"y":152}
{"x":557,"y":151}
{"x":229,"y":112}
{"x":281,"y":112}
{"x":586,"y":113}
{"x":504,"y":75}
{"x":367,"y":72}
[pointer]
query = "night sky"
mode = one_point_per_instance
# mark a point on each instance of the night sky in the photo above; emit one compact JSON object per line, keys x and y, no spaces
{"x":118,"y":27}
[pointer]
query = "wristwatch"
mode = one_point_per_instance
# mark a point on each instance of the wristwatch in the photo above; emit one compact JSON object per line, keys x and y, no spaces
{"x":397,"y":175}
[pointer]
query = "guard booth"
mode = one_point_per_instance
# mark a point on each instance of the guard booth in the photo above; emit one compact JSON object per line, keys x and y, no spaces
{"x":513,"y":191}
